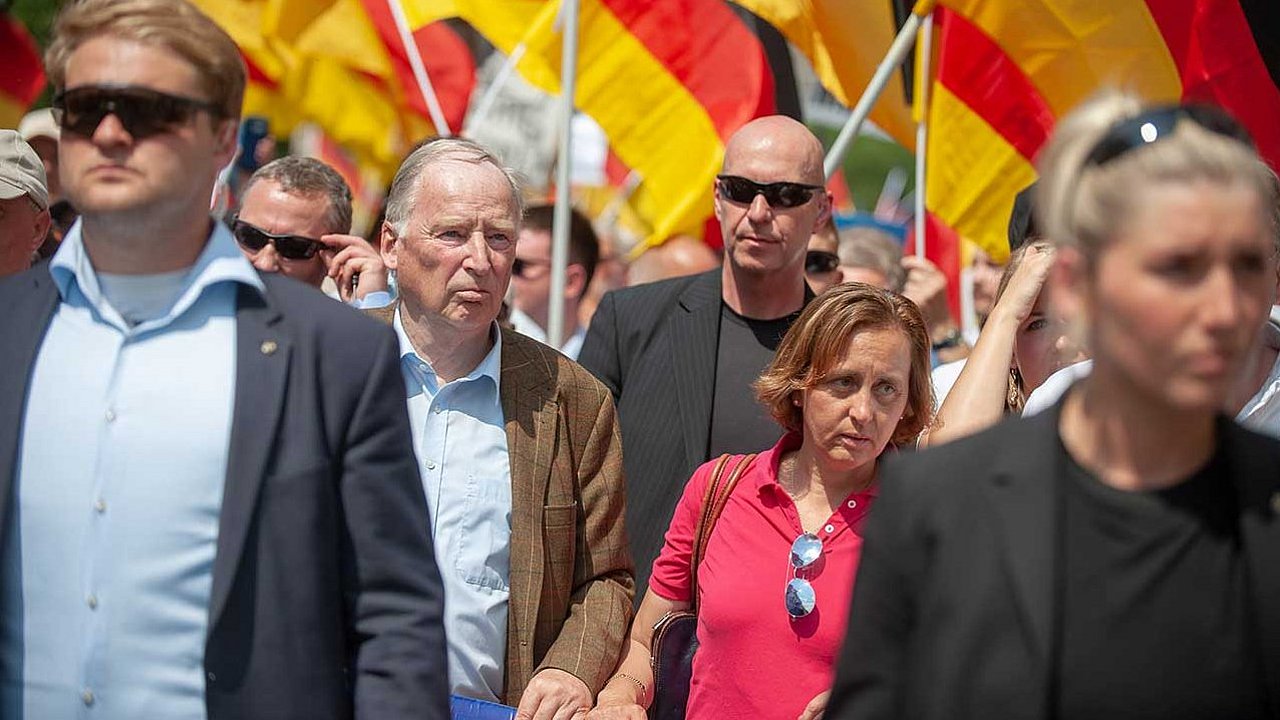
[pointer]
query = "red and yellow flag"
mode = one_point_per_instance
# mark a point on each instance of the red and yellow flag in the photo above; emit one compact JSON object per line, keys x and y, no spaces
{"x":23,"y":76}
{"x":1007,"y":71}
{"x":668,"y":82}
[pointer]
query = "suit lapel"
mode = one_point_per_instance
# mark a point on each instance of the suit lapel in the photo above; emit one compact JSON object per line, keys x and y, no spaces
{"x":1022,"y":491}
{"x":262,"y":369}
{"x":529,"y":414}
{"x":29,"y":319}
{"x":1254,"y":474}
{"x":694,"y":338}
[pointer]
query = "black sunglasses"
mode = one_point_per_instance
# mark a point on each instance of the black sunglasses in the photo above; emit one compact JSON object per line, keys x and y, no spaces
{"x":142,"y":111}
{"x":1160,"y":122}
{"x":818,"y":262}
{"x":290,"y":247}
{"x":778,"y":194}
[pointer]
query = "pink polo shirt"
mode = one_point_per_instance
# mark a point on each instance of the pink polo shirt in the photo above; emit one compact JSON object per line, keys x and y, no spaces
{"x":753,"y":660}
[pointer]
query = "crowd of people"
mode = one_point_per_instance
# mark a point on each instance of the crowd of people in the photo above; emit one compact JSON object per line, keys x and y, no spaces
{"x":255,"y":466}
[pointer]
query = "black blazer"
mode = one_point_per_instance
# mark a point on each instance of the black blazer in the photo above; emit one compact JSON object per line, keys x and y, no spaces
{"x":953,"y":605}
{"x":326,"y":601}
{"x":654,"y":347}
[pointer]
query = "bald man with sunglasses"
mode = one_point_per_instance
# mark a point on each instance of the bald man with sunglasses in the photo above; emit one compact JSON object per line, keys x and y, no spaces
{"x":680,"y":355}
{"x":209,"y":506}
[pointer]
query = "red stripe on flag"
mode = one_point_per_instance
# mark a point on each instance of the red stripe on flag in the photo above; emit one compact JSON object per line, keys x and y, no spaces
{"x":256,"y":75}
{"x":1218,"y":61}
{"x":448,"y":60}
{"x":704,"y":45}
{"x":942,"y":248}
{"x":976,"y":70}
{"x":23,"y":75}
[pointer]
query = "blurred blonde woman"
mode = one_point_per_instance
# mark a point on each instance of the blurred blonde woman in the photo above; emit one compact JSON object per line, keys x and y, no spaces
{"x":1115,"y":557}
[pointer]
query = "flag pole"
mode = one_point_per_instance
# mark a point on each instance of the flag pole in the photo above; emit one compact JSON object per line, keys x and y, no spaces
{"x":560,"y":219}
{"x":419,"y":69}
{"x":897,"y":52}
{"x":923,"y":60}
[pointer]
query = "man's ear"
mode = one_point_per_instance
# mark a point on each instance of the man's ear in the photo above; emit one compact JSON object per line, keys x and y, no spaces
{"x":40,"y":230}
{"x":225,"y":141}
{"x":387,"y":241}
{"x":575,"y":281}
{"x":824,"y":214}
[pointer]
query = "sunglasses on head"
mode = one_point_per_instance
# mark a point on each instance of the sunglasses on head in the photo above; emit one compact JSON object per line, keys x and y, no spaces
{"x":1159,"y":123}
{"x":142,"y":111}
{"x":820,"y":262}
{"x":778,"y":194}
{"x":800,"y":598}
{"x":290,"y":247}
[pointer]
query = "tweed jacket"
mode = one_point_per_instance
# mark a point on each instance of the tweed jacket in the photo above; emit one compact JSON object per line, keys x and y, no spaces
{"x":572,"y":580}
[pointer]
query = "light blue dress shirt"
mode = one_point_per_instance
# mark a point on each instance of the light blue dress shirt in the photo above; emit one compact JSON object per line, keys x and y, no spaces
{"x":460,"y":439}
{"x":109,"y":547}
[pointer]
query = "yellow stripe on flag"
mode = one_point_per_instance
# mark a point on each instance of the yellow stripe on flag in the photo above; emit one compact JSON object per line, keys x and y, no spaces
{"x":654,"y":124}
{"x":1070,"y":48}
{"x":974,"y":173}
{"x":845,"y":42}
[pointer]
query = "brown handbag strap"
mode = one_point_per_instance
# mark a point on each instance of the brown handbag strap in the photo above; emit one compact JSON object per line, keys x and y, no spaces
{"x":718,"y":491}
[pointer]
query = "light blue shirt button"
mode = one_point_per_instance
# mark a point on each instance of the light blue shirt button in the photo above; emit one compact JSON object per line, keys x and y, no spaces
{"x":431,"y":465}
{"x":111,"y":415}
{"x":87,"y":697}
{"x":93,"y":602}
{"x":100,"y":506}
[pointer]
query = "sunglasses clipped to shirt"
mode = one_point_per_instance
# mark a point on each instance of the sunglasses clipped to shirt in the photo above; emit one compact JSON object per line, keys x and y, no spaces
{"x":1157,"y":123}
{"x":142,"y":111}
{"x":290,"y":247}
{"x":777,"y":194}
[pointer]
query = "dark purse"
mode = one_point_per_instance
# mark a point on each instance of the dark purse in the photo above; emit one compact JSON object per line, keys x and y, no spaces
{"x":675,"y":639}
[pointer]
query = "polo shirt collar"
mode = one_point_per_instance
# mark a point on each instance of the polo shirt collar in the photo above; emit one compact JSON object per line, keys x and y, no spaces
{"x":772,"y":459}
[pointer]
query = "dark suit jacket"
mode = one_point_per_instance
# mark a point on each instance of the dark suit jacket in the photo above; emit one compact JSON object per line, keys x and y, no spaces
{"x":571,"y":576}
{"x":654,"y":346}
{"x":953,"y":607}
{"x":326,"y":601}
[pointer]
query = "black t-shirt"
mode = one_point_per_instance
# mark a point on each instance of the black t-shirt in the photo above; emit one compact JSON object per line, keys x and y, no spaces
{"x":1155,"y":609}
{"x":739,"y":423}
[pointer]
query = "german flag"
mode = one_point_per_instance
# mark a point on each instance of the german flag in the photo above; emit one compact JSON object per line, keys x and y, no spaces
{"x":668,"y":82}
{"x":1007,"y":71}
{"x":23,"y":75}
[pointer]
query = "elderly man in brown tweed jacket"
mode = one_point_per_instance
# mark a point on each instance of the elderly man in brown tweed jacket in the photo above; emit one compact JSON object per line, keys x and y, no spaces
{"x":518,"y":448}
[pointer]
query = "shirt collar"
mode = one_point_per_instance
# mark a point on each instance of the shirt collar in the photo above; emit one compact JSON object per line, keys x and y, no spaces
{"x":490,"y":367}
{"x":220,"y":261}
{"x":772,"y":458}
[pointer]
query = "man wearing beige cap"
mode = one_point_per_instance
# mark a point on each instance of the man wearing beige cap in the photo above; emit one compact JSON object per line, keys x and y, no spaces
{"x":41,"y":133}
{"x":24,"y":203}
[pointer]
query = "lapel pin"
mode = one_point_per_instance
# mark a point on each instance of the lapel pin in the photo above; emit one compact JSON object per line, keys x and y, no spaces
{"x":268,"y":347}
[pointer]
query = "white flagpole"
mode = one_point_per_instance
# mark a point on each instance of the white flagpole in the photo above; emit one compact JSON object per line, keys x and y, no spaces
{"x":560,"y":219}
{"x":897,"y":52}
{"x":419,"y":69}
{"x":922,"y":129}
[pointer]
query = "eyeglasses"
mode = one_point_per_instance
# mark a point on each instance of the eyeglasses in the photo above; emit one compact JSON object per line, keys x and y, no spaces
{"x":520,"y":268}
{"x":1153,"y":125}
{"x":820,"y":262}
{"x":290,"y":247}
{"x":800,"y":598}
{"x":778,"y":194}
{"x":143,"y":112}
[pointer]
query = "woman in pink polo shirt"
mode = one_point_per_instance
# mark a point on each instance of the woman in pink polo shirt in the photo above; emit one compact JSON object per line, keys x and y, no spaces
{"x":850,"y":378}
